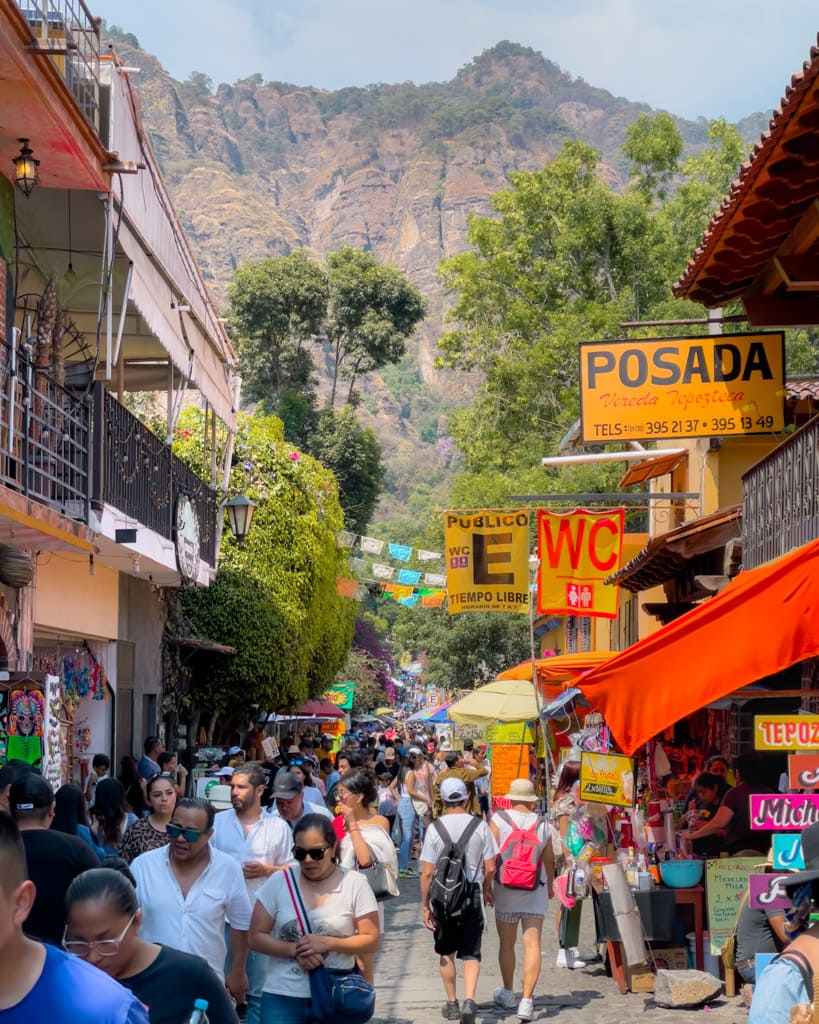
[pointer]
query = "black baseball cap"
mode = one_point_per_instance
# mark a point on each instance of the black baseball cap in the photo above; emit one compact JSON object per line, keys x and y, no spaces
{"x":31,"y":793}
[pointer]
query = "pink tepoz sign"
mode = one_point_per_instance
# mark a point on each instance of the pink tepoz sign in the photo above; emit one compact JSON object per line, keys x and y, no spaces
{"x":789,"y":812}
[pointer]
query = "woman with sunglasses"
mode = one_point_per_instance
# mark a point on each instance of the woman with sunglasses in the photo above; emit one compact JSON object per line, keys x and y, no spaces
{"x":103,"y":929}
{"x":342,"y":912}
{"x":367,"y":838}
{"x":150,"y":833}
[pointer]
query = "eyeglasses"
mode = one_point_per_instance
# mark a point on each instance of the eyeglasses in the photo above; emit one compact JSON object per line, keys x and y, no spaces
{"x":315,"y":853}
{"x":105,"y":947}
{"x":189,"y":834}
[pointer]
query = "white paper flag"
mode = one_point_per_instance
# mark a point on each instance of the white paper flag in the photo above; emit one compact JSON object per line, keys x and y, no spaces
{"x":372,"y":546}
{"x":435,"y":579}
{"x":345,"y":539}
{"x":428,"y":556}
{"x":383,"y":572}
{"x":358,"y":565}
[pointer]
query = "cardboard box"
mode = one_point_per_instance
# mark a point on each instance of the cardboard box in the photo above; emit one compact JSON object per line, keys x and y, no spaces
{"x":671,"y":958}
{"x":640,"y":978}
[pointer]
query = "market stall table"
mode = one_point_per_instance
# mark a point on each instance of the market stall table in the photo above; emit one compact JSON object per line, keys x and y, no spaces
{"x":658,"y":913}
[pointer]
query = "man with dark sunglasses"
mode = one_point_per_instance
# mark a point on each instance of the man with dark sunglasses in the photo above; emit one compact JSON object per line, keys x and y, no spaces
{"x":189,"y":889}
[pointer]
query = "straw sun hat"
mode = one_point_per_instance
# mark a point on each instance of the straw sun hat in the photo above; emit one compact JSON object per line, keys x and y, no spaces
{"x":521,"y":791}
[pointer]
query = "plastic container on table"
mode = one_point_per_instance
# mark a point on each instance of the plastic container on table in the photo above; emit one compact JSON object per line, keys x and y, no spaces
{"x":681,"y":874}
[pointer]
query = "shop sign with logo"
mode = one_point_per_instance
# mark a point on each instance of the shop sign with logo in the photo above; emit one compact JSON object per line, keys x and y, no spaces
{"x":577,"y":551}
{"x":607,"y":779}
{"x":803,"y":771}
{"x":786,"y":732}
{"x":787,"y":852}
{"x":666,"y":388}
{"x":341,"y":695}
{"x":767,"y":892}
{"x":187,"y":539}
{"x":487,"y":561}
{"x":787,"y":812}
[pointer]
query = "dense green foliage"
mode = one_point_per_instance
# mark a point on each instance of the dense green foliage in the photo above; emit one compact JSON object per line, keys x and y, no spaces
{"x":274,"y":597}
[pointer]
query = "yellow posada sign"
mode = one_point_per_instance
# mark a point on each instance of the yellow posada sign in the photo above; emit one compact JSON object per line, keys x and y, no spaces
{"x":607,"y":779}
{"x":487,"y":561}
{"x":682,"y":387}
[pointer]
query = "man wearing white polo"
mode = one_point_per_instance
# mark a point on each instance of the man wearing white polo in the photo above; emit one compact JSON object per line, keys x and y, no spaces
{"x":260,"y":844}
{"x":188,"y":890}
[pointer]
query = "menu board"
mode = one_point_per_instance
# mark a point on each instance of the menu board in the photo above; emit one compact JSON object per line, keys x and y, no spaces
{"x":509,"y":732}
{"x":509,"y":761}
{"x":726,"y":879}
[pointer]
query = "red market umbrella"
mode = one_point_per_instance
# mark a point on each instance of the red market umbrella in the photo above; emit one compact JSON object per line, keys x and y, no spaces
{"x":320,"y":709}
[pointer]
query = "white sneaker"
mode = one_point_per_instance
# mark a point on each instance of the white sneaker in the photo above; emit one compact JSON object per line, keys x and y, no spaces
{"x":568,"y":958}
{"x":503,"y":997}
{"x":526,"y":1009}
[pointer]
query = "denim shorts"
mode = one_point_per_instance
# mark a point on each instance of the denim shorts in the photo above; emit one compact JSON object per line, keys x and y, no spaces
{"x":277,"y":1009}
{"x":779,"y":987}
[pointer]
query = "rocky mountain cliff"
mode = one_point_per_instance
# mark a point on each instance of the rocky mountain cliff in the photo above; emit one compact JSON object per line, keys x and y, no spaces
{"x":261,"y":168}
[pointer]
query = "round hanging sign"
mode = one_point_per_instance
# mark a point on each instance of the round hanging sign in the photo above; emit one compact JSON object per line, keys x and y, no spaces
{"x":187,"y":539}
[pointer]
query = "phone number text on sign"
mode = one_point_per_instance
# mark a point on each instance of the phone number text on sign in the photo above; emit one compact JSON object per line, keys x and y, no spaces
{"x":681,"y":387}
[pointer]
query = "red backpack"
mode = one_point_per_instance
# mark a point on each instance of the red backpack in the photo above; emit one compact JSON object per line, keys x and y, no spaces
{"x":519,"y":860}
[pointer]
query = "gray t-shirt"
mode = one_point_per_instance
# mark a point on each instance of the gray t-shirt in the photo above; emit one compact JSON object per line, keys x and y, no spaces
{"x":754,"y":933}
{"x":481,"y":845}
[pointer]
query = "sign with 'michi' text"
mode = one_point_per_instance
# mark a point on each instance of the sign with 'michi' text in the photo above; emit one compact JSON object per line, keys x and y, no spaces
{"x":487,"y":561}
{"x":682,"y":387}
{"x":786,"y":732}
{"x":788,"y":811}
{"x":577,"y":551}
{"x":607,"y":779}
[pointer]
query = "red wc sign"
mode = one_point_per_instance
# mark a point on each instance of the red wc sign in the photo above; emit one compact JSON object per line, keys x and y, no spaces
{"x":578,"y":550}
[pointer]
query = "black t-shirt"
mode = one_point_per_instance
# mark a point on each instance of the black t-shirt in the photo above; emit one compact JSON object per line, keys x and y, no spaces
{"x":173,"y":982}
{"x":739,"y":835}
{"x":754,"y":933}
{"x":54,"y":860}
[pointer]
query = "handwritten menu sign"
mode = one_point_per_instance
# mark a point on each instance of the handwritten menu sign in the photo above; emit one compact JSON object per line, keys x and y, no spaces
{"x":786,"y":732}
{"x":607,"y":779}
{"x":726,"y":879}
{"x":767,"y":892}
{"x":509,"y":761}
{"x":509,"y":732}
{"x":803,"y":771}
{"x":790,"y":811}
{"x":787,"y":852}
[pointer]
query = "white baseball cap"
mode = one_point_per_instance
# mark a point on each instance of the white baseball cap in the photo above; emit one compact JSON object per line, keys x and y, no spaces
{"x":453,"y":791}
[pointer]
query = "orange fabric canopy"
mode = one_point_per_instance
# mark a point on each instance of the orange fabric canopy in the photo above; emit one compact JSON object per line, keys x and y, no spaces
{"x":764,"y":621}
{"x":559,"y":669}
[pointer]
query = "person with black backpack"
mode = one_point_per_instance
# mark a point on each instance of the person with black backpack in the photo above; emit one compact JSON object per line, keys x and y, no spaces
{"x":458,"y":868}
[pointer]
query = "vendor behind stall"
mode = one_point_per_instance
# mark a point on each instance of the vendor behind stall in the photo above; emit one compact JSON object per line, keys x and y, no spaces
{"x":734,"y":813}
{"x":701,"y":809}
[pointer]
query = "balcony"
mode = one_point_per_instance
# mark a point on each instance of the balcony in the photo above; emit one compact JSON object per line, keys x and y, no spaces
{"x":780,"y":499}
{"x":67,"y":34}
{"x":44,"y":438}
{"x":138,"y":474}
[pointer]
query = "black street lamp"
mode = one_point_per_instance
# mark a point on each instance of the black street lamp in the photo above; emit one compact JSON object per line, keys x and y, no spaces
{"x":240,"y":513}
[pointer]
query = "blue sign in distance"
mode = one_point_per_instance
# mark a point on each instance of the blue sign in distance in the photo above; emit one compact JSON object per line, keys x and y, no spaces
{"x":787,"y":852}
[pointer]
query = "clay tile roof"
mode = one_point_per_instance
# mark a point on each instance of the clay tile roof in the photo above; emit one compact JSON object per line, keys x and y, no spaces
{"x":774,"y":187}
{"x":799,"y":388}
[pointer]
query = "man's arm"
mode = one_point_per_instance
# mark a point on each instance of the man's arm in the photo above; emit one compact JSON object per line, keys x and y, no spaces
{"x":488,"y":879}
{"x":427,"y":871}
{"x":470,"y":774}
{"x":236,"y":982}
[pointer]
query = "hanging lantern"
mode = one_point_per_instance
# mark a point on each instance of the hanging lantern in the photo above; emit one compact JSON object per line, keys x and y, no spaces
{"x":240,"y":512}
{"x":25,"y":169}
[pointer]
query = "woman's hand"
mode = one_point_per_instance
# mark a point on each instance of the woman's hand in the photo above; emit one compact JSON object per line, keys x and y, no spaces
{"x":312,"y":944}
{"x":310,"y":961}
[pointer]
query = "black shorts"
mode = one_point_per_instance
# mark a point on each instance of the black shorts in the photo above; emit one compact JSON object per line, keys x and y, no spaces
{"x":461,"y":936}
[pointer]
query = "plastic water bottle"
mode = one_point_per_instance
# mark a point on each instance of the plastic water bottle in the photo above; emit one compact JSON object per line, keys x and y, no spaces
{"x":580,"y":883}
{"x":199,"y":1014}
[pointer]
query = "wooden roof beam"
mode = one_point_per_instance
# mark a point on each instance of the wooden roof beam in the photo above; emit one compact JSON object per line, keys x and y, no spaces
{"x":800,"y":273}
{"x":803,"y":236}
{"x":795,"y":310}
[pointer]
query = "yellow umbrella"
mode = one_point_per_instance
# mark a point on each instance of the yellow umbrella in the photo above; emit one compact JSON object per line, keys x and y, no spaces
{"x":384,"y":711}
{"x":504,"y":700}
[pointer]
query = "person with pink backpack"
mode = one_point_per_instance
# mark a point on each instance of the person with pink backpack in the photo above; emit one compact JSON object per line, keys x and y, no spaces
{"x":523,"y":884}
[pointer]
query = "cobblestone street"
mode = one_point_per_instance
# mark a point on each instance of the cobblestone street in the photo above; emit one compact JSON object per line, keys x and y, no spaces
{"x":410,"y":989}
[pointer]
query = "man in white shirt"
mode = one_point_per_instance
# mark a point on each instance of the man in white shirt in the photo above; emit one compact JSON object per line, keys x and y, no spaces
{"x":289,"y":802}
{"x":188,"y":890}
{"x":459,"y":936}
{"x":260,"y":844}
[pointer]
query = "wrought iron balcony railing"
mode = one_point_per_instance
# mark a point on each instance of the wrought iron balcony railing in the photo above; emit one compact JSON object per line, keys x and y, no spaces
{"x":44,"y":438}
{"x":137,"y":473}
{"x":70,"y":36}
{"x":780,"y":499}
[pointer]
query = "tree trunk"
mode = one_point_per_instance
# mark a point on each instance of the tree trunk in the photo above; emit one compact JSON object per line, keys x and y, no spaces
{"x":214,"y":718}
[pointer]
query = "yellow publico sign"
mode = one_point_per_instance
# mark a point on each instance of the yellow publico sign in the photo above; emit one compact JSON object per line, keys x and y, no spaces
{"x":487,"y":561}
{"x":577,"y":551}
{"x":786,"y":732}
{"x":607,"y":779}
{"x":651,"y":389}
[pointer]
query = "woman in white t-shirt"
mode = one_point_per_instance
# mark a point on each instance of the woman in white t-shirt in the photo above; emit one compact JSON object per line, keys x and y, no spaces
{"x":524,"y":907}
{"x":343,"y":918}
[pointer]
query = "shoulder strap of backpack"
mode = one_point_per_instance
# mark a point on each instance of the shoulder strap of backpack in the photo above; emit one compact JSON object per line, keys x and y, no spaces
{"x":438,"y":825}
{"x":468,"y":832}
{"x":505,"y":817}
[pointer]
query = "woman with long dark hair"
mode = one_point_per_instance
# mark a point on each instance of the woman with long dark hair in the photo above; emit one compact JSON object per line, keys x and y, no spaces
{"x":134,"y":786}
{"x":150,"y":833}
{"x":71,"y":815}
{"x":111,"y":815}
{"x":103,"y":929}
{"x":342,"y":913}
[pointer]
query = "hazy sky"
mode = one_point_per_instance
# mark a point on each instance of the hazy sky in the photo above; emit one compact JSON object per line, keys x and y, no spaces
{"x":693,"y":57}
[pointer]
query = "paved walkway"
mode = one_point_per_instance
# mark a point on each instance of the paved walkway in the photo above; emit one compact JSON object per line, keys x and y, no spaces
{"x":410,"y":990}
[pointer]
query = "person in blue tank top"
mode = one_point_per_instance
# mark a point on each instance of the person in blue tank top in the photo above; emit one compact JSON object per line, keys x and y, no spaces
{"x":39,"y":981}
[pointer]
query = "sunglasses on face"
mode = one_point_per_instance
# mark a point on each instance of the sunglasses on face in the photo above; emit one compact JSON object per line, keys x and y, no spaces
{"x":190,"y":835}
{"x":314,"y":853}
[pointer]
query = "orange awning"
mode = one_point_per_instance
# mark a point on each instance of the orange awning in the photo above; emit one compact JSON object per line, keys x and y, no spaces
{"x":652,"y":468}
{"x":764,"y":621}
{"x":559,"y":669}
